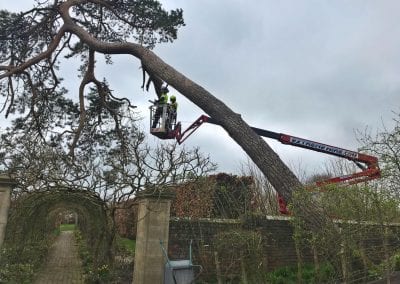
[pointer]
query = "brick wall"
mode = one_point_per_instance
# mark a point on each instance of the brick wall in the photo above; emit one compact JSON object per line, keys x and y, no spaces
{"x":276,"y":233}
{"x":278,"y":247}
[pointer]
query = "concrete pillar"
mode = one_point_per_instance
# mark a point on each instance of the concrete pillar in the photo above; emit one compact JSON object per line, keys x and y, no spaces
{"x":6,"y":184}
{"x":152,"y":227}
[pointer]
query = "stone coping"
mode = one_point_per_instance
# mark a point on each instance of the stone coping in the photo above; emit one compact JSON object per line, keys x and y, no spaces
{"x":156,"y":194}
{"x":281,"y":218}
{"x":231,"y":221}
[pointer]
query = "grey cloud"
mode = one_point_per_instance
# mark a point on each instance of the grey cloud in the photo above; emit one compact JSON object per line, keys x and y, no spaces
{"x":315,"y":69}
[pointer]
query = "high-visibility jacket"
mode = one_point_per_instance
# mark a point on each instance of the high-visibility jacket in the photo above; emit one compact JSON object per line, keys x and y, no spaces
{"x":174,"y":106}
{"x":163,"y":99}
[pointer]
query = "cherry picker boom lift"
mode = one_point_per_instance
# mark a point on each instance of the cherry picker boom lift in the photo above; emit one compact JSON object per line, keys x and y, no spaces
{"x":368,"y":164}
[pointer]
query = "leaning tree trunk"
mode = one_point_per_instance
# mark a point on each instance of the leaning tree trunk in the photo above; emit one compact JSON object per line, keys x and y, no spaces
{"x":277,"y":173}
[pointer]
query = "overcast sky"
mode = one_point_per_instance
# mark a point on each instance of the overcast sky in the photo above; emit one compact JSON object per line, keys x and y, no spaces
{"x":314,"y":69}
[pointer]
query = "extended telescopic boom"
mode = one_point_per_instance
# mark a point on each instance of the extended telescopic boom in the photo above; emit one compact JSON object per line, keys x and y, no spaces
{"x":368,"y":164}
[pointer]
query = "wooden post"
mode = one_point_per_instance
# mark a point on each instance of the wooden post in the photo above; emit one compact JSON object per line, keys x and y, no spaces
{"x":217,"y":267}
{"x":152,"y":228}
{"x":386,"y":250}
{"x":343,"y":258}
{"x":316,"y":260}
{"x":243,"y":268}
{"x":299,"y":260}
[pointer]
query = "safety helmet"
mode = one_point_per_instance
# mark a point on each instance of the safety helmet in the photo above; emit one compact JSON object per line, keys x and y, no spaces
{"x":172,"y":98}
{"x":164,"y":90}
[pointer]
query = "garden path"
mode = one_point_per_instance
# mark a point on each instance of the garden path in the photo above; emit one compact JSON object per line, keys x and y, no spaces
{"x":63,"y":264}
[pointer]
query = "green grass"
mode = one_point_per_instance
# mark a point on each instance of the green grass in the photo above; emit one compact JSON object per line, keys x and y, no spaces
{"x":67,"y":227}
{"x":288,"y":274}
{"x":127,"y":244}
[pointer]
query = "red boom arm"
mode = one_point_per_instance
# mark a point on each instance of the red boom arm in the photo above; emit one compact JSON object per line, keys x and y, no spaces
{"x":368,"y":164}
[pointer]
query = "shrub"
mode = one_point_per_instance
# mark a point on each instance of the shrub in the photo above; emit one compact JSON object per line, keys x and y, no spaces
{"x":288,"y":275}
{"x":19,"y":264}
{"x":93,"y":272}
{"x":240,"y":252}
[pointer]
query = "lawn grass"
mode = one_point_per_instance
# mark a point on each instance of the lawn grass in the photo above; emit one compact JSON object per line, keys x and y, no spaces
{"x":127,"y":244}
{"x":67,"y":227}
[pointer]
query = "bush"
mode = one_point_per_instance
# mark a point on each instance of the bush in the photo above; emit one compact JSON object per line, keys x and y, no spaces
{"x":356,"y":231}
{"x":19,"y":264}
{"x":393,"y":264}
{"x":93,"y":272}
{"x":289,"y":274}
{"x":240,"y":252}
